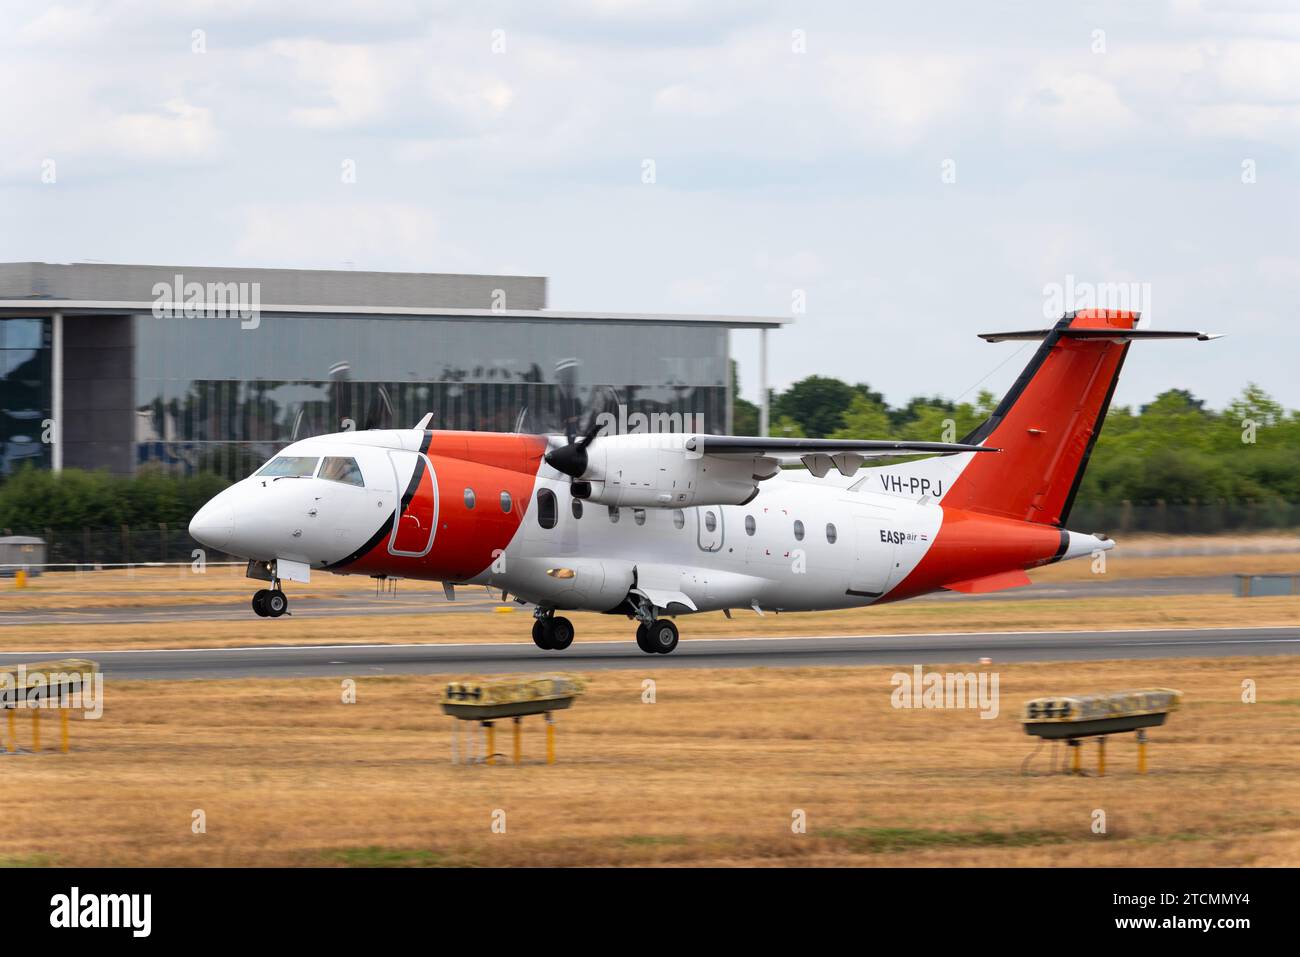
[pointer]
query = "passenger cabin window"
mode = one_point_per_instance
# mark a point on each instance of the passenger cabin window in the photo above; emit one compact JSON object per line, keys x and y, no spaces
{"x":710,"y":521}
{"x":547,"y":511}
{"x":469,"y":498}
{"x":345,"y":470}
{"x":798,"y":530}
{"x":679,"y":518}
{"x":289,"y":466}
{"x":505,"y":502}
{"x":750,"y":525}
{"x":576,"y":507}
{"x":831,"y":534}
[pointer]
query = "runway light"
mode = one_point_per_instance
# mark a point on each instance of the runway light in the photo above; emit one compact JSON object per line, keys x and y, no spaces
{"x":42,"y":686}
{"x":1072,"y":717}
{"x":510,"y":696}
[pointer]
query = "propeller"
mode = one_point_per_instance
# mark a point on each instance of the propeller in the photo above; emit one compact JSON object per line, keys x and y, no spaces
{"x":571,"y":458}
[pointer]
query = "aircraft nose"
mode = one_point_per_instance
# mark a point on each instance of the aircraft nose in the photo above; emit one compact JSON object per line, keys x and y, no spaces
{"x":214,"y":524}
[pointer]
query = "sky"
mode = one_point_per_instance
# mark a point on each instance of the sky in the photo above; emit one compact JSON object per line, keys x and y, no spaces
{"x":895,"y":178}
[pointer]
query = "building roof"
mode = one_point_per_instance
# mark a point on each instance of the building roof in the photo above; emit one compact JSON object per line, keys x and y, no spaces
{"x":101,"y":288}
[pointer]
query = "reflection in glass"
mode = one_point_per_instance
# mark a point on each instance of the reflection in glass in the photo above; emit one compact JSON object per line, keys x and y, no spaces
{"x":206,"y":400}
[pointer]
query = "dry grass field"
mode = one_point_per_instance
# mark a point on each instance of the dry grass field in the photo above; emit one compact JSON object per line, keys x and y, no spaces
{"x":710,"y":773}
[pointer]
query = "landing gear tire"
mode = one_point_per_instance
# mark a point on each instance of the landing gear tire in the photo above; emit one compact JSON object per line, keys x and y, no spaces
{"x":275,"y":603}
{"x":560,"y":633}
{"x":643,"y":640}
{"x":259,"y":602}
{"x":540,"y":637}
{"x":660,"y":637}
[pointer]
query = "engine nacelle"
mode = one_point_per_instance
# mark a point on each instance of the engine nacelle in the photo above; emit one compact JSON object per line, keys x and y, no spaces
{"x":658,"y":471}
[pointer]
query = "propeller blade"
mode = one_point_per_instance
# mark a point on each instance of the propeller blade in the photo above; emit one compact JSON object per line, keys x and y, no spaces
{"x":566,"y":378}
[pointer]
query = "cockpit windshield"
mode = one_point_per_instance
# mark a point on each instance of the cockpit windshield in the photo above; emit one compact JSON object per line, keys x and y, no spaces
{"x":345,"y":470}
{"x":289,"y":466}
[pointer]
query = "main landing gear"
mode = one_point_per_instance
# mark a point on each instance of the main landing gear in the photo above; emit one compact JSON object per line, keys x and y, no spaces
{"x":270,"y":602}
{"x":656,"y":637}
{"x":551,"y":633}
{"x":653,"y":636}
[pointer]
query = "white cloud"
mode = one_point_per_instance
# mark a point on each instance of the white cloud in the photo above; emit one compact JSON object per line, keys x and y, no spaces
{"x":178,"y":130}
{"x":369,"y":235}
{"x":1073,"y":107}
{"x":893,"y":100}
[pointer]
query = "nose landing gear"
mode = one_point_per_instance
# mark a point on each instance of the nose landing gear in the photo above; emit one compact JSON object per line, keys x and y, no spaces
{"x":270,"y":602}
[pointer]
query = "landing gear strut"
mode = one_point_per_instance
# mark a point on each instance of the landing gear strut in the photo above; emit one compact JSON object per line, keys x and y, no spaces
{"x":654,"y":636}
{"x":551,"y":633}
{"x":270,"y":602}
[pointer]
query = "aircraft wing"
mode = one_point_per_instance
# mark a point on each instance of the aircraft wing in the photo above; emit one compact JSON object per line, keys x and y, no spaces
{"x":819,"y":455}
{"x":867,"y":448}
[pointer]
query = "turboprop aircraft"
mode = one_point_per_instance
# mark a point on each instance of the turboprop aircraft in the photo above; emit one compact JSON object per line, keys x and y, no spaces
{"x":659,"y":526}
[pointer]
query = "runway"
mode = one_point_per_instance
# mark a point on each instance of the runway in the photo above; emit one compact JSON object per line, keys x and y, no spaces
{"x":425,"y":601}
{"x":272,"y":661}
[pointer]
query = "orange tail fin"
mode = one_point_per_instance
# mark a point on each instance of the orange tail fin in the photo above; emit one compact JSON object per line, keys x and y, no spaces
{"x":1048,"y":423}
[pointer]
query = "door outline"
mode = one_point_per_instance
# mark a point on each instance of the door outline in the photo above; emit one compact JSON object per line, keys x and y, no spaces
{"x":702,"y":531}
{"x":421,"y":459}
{"x":867,"y":557}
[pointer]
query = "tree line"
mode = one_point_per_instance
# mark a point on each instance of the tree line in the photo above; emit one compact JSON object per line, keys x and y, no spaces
{"x":1174,"y":452}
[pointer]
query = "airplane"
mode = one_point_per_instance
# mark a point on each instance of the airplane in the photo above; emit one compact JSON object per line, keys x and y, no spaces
{"x":659,"y":526}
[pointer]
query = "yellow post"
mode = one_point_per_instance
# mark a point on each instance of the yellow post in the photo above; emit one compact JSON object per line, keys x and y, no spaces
{"x":20,"y":578}
{"x":13,"y":738}
{"x":1074,"y":756}
{"x":63,"y":730}
{"x":1101,"y":756}
{"x":36,"y":728}
{"x":550,"y":739}
{"x":491,"y":742}
{"x":518,"y":745}
{"x":1142,"y":751}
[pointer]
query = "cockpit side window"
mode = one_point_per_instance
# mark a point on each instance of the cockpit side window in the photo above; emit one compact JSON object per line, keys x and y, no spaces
{"x":289,"y":466}
{"x":345,"y":470}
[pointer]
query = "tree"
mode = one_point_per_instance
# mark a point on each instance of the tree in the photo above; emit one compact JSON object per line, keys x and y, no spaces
{"x":744,"y":414}
{"x":865,"y":419}
{"x":817,"y":404}
{"x":786,"y":427}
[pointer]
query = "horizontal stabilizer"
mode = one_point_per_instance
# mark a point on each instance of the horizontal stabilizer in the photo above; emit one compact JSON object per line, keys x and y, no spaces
{"x":990,"y":583}
{"x":1113,"y":335}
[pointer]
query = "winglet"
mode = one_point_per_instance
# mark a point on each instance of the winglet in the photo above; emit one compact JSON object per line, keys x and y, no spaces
{"x":424,"y":423}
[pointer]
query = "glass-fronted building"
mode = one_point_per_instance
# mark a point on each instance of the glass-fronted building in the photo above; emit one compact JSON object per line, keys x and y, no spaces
{"x":189,"y":369}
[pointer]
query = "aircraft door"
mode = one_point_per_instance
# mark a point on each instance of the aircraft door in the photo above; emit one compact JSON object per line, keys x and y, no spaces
{"x":709,"y":522}
{"x":873,"y":559}
{"x":416,"y":517}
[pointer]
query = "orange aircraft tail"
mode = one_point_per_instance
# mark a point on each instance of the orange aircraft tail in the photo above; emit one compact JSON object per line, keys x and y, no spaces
{"x":1047,"y":425}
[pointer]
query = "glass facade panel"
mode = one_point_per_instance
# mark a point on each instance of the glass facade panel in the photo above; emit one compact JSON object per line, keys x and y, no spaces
{"x":25,"y":394}
{"x":211,"y":395}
